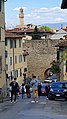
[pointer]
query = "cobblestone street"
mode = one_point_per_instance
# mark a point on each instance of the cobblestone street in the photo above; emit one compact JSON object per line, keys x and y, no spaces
{"x":23,"y":108}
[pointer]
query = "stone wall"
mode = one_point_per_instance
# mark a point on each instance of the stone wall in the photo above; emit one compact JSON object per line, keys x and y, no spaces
{"x":41,"y":54}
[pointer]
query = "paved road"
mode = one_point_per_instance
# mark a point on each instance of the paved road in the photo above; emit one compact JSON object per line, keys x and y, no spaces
{"x":24,"y":109}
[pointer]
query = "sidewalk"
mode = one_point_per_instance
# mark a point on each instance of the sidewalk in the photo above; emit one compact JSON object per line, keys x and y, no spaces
{"x":4,"y":99}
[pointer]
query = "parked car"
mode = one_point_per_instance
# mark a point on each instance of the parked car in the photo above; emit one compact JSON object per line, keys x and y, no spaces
{"x":43,"y":91}
{"x":58,"y":90}
{"x":48,"y":80}
{"x":51,"y":79}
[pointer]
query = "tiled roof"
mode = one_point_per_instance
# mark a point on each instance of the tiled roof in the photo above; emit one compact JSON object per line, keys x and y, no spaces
{"x":12,"y":35}
{"x":16,"y":30}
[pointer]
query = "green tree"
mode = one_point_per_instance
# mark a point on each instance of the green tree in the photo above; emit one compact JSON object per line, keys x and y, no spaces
{"x":55,"y":68}
{"x":47,"y":28}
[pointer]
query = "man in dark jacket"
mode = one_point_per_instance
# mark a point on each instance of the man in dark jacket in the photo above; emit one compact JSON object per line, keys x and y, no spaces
{"x":14,"y":89}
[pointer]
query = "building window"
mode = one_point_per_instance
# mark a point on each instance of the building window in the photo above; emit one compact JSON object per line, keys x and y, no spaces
{"x":16,"y":73}
{"x":20,"y":58}
{"x":57,"y":55}
{"x":66,"y":66}
{"x":20,"y":72}
{"x":15,"y":59}
{"x":0,"y":64}
{"x":11,"y":75}
{"x":24,"y":58}
{"x":6,"y":54}
{"x":5,"y":42}
{"x":10,"y":60}
{"x":6,"y":67}
{"x":0,"y":34}
{"x":14,"y":43}
{"x":11,"y":44}
{"x":25,"y":69}
{"x":19,"y":42}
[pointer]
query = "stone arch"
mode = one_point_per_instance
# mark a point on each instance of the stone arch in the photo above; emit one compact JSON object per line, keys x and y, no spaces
{"x":47,"y":73}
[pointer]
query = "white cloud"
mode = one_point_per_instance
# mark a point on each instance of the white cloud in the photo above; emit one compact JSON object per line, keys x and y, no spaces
{"x":59,"y":19}
{"x":41,"y":15}
{"x":47,"y":15}
{"x":18,"y":8}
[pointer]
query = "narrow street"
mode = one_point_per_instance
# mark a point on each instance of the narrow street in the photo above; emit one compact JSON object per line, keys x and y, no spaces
{"x":24,"y":109}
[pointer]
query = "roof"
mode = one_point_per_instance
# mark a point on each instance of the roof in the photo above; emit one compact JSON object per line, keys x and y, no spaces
{"x":12,"y":35}
{"x":27,"y":30}
{"x":59,"y":34}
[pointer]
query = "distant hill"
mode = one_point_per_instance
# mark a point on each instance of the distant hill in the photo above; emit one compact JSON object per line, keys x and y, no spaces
{"x":55,"y":25}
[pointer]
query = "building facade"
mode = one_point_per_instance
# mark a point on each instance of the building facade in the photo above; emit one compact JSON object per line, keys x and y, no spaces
{"x":63,"y":59}
{"x":2,"y":51}
{"x":16,"y":58}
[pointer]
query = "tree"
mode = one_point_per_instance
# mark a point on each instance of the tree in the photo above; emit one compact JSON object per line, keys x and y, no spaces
{"x":46,"y":28}
{"x":55,"y":68}
{"x":36,"y":34}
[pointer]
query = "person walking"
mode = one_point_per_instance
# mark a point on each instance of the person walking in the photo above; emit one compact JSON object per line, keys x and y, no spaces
{"x":34,"y":85}
{"x":47,"y":88}
{"x":27,"y":86}
{"x":14,"y":89}
{"x":22,"y":89}
{"x":39,"y":89}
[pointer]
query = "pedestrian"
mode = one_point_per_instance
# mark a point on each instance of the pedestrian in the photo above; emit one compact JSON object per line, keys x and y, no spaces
{"x":34,"y":85}
{"x":47,"y":88}
{"x":27,"y":86}
{"x":39,"y":89}
{"x":22,"y":89}
{"x":14,"y":89}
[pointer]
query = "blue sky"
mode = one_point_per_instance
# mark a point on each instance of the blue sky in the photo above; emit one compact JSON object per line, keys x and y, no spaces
{"x":35,"y":12}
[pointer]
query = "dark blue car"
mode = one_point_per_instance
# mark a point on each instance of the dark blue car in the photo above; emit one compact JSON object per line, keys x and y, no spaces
{"x":58,"y":90}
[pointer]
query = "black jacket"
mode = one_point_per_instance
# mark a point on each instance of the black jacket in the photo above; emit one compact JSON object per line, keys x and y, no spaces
{"x":15,"y":87}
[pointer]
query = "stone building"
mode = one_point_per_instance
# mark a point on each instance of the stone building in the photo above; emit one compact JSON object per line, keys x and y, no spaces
{"x":2,"y":49}
{"x":16,"y":57}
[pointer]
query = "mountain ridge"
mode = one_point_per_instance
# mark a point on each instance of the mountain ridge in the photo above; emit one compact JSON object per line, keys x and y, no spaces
{"x":55,"y":25}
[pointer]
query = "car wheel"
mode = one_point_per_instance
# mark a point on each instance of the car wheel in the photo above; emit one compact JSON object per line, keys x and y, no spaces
{"x":51,"y":98}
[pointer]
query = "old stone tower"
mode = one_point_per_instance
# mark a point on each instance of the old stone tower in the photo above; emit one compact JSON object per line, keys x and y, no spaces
{"x":21,"y":18}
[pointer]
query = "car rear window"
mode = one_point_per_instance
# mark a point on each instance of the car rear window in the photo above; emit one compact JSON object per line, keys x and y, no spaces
{"x":59,"y":85}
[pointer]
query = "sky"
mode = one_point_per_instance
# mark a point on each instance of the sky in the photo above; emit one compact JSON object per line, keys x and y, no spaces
{"x":35,"y":12}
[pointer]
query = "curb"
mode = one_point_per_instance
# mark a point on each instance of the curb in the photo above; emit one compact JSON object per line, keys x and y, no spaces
{"x":4,"y":99}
